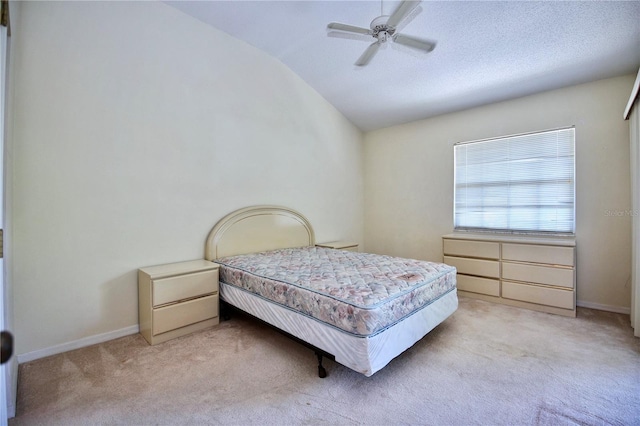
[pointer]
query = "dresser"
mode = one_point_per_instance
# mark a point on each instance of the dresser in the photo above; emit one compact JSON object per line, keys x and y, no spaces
{"x":177,"y":299}
{"x":530,"y":272}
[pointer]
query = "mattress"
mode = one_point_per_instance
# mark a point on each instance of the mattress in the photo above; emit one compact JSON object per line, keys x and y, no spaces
{"x":361,"y":294}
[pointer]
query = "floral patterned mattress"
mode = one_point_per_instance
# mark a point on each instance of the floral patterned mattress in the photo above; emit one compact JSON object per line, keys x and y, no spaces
{"x":360,"y":293}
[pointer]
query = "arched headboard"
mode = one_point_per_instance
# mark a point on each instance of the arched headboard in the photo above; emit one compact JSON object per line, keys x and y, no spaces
{"x":258,"y":228}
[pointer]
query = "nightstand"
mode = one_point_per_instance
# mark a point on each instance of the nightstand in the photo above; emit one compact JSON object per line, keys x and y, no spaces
{"x":340,"y":245}
{"x":177,"y":299}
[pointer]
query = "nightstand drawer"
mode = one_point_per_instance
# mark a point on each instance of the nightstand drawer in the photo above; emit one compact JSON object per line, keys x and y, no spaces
{"x":561,"y":277}
{"x":168,"y":290}
{"x":538,"y":294}
{"x":483,"y":268}
{"x":181,"y":314}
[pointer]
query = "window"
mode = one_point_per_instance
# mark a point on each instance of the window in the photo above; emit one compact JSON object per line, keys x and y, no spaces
{"x":520,"y":184}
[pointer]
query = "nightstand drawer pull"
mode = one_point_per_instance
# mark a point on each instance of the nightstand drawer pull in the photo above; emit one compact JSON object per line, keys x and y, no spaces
{"x":181,"y":314}
{"x":167,"y":290}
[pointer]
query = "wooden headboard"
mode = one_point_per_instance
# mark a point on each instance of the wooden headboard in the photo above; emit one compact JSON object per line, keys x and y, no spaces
{"x":258,"y":228}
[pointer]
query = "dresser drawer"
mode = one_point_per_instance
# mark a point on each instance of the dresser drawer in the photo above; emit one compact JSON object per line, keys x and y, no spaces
{"x":482,"y":249}
{"x":483,"y":268}
{"x":537,"y":294}
{"x":172,"y":289}
{"x":478,"y":285}
{"x":551,"y":255}
{"x":181,"y":314}
{"x":561,"y":277}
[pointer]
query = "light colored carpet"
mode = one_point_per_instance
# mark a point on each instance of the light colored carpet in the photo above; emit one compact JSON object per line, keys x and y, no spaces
{"x":488,"y":364}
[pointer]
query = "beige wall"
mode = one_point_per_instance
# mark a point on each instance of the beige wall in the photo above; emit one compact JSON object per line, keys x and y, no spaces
{"x":135,"y":129}
{"x":409,"y":180}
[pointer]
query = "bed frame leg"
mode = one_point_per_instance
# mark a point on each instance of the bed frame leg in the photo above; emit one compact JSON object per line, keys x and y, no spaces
{"x":322,"y":373}
{"x":225,"y":313}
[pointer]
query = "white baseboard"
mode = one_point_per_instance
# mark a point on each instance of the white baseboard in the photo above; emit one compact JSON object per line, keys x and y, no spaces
{"x":77,"y":344}
{"x":601,"y":307}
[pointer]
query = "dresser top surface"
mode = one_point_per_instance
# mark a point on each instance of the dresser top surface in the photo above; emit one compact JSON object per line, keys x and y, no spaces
{"x":509,"y":238}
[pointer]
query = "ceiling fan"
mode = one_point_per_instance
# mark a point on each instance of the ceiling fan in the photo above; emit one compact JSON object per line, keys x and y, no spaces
{"x":384,"y":28}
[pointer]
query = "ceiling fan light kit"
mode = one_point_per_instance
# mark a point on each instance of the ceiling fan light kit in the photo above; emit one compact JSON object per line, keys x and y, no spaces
{"x":384,"y":28}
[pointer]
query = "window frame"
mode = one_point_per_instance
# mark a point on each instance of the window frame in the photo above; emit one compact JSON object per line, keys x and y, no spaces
{"x":506,"y":182}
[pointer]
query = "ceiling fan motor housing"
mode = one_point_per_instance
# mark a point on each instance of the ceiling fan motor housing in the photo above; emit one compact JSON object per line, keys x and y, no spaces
{"x":380,"y":29}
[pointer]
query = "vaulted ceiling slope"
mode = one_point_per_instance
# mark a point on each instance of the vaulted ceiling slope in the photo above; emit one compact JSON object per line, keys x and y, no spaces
{"x":486,"y":51}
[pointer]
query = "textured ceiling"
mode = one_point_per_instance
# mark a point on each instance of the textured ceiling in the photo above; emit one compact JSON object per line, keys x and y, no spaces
{"x":486,"y":52}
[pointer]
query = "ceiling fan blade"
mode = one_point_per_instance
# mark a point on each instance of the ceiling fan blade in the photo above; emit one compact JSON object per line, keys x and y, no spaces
{"x":410,"y":17}
{"x":351,"y":36}
{"x":401,"y":12}
{"x":348,"y":28}
{"x":368,"y":54}
{"x":415,"y":42}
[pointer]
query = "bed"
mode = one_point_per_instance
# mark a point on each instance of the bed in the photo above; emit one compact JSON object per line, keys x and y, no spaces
{"x":359,"y":309}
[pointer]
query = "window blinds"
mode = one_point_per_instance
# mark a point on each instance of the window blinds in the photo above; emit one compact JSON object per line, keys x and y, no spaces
{"x":523,"y":183}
